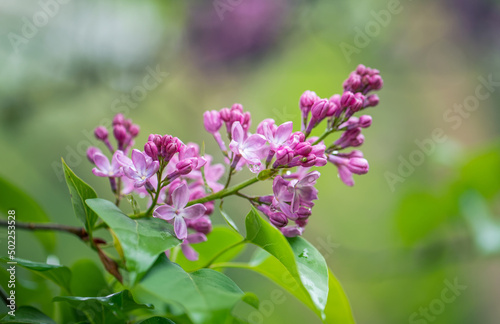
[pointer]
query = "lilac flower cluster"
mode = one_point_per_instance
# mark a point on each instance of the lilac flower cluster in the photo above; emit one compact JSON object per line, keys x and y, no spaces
{"x":183,"y":185}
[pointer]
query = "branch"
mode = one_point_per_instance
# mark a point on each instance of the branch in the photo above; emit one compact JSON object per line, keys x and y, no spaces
{"x":78,"y":231}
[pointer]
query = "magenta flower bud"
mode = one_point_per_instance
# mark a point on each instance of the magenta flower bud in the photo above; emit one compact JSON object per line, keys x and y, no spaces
{"x":101,"y":133}
{"x":304,"y":212}
{"x":185,"y":166}
{"x":151,"y":150}
{"x":358,"y":165}
{"x":358,"y":103}
{"x":302,"y":222}
{"x":371,"y":100}
{"x":212,"y":121}
{"x":283,"y":157}
{"x":201,"y":225}
{"x":361,"y":69}
{"x":238,"y":107}
{"x":225,"y":114}
{"x":266,"y":199}
{"x":307,"y":100}
{"x":335,"y":99}
{"x":299,"y":135}
{"x":365,"y":121}
{"x":118,"y":119}
{"x":320,"y":109}
{"x":376,"y":82}
{"x":134,"y":130}
{"x":270,"y":123}
{"x":358,"y":141}
{"x":120,"y":133}
{"x":347,"y":99}
{"x":247,"y":120}
{"x":278,"y":219}
{"x":303,"y":148}
{"x":127,"y":123}
{"x":236,"y":116}
{"x":308,"y":161}
{"x":291,"y":231}
{"x":91,"y":151}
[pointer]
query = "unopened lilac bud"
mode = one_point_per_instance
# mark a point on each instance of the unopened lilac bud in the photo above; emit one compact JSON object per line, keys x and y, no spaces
{"x":300,"y":136}
{"x":225,"y":114}
{"x":365,"y":121}
{"x":335,"y":99}
{"x":238,"y":107}
{"x":127,"y":123}
{"x":212,"y":121}
{"x":291,"y":231}
{"x":149,"y":186}
{"x":320,"y":109}
{"x":303,"y":148}
{"x":308,"y":161}
{"x":91,"y":151}
{"x":283,"y":156}
{"x":246,"y":121}
{"x":236,"y":116}
{"x":347,"y":99}
{"x":358,"y":141}
{"x":185,"y":166}
{"x":361,"y":69}
{"x":151,"y":150}
{"x":304,"y":212}
{"x":302,"y":222}
{"x":358,"y":165}
{"x":265,"y":123}
{"x":101,"y":133}
{"x":307,"y":100}
{"x":202,"y":225}
{"x":358,"y":103}
{"x":134,"y":130}
{"x":376,"y":82}
{"x":278,"y":219}
{"x":120,"y":133}
{"x":118,"y":119}
{"x":371,"y":100}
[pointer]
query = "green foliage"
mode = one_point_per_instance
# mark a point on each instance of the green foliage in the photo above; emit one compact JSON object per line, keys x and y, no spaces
{"x":219,"y":239}
{"x":206,"y":296}
{"x":60,"y":275}
{"x":103,"y":310}
{"x":80,"y":191}
{"x":142,"y":240}
{"x":297,"y":266}
{"x":27,"y":315}
{"x":88,"y":279}
{"x":27,"y":209}
{"x":156,"y":320}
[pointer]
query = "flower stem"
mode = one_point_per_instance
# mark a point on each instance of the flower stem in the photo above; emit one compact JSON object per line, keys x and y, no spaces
{"x":78,"y":231}
{"x":224,"y":192}
{"x":224,"y":251}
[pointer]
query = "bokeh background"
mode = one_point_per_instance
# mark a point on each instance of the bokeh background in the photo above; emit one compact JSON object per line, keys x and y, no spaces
{"x":392,"y":243}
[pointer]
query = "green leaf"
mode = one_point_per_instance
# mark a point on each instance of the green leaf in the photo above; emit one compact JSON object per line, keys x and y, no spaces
{"x":156,"y":320}
{"x":27,"y":315}
{"x":142,"y":240}
{"x":133,"y":204}
{"x":80,"y":191}
{"x":110,"y":309}
{"x":27,"y":209}
{"x":88,"y":279}
{"x":338,"y":309}
{"x":60,"y":275}
{"x":219,"y":239}
{"x":207,"y":296}
{"x":297,"y":266}
{"x":228,"y":219}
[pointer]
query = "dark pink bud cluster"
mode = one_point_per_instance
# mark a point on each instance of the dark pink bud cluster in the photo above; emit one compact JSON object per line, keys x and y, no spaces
{"x":349,"y":164}
{"x":364,"y":80}
{"x":124,"y":132}
{"x":162,"y":147}
{"x":235,"y":114}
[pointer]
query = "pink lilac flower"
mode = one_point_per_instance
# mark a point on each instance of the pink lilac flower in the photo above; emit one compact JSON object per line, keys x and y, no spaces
{"x":141,"y":169}
{"x":104,"y":168}
{"x":282,"y":196}
{"x":91,"y":151}
{"x":349,"y":164}
{"x":303,"y":191}
{"x":277,"y":136}
{"x":201,"y":225}
{"x":178,"y":211}
{"x":186,"y":248}
{"x":247,"y":147}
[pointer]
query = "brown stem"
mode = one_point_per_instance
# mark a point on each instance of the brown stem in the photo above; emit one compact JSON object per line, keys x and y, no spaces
{"x":78,"y":231}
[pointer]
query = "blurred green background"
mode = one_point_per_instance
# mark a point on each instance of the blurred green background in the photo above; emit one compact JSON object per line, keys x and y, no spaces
{"x":394,"y":244}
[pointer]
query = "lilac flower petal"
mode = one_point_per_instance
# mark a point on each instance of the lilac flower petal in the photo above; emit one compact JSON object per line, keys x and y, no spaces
{"x":215,"y":172}
{"x":283,"y":133}
{"x":196,"y":238}
{"x":102,"y":162}
{"x":180,"y":228}
{"x":193,"y":212}
{"x":152,"y":169}
{"x":189,"y":252}
{"x":237,"y":133}
{"x":139,"y":161}
{"x":309,"y":179}
{"x":254,"y":142}
{"x":165,"y":212}
{"x":122,"y":159}
{"x":345,"y":175}
{"x":180,"y":197}
{"x":99,"y":173}
{"x":131,"y":173}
